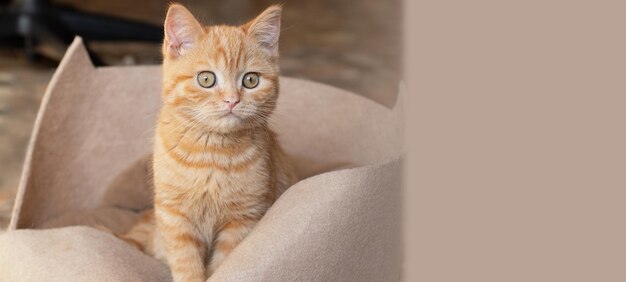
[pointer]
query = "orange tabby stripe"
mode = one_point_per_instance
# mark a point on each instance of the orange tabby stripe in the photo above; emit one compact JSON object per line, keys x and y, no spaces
{"x":209,"y":164}
{"x":188,"y":238}
{"x":232,"y":225}
{"x":178,"y":79}
{"x":224,"y":247}
{"x":172,"y":84}
{"x":177,"y":101}
{"x":173,"y":211}
{"x":199,"y":147}
{"x":229,"y":150}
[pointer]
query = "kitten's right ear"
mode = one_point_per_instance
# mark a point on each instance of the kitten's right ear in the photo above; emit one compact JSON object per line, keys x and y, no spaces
{"x":181,"y":31}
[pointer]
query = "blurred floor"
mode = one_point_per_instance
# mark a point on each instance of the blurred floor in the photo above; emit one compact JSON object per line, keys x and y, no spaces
{"x":354,"y":45}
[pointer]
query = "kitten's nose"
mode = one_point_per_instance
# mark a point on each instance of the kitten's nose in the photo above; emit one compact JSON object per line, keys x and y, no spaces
{"x":232,"y":102}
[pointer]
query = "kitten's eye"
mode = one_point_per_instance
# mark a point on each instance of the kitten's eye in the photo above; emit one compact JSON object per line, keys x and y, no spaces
{"x":206,"y":79}
{"x":251,"y":80}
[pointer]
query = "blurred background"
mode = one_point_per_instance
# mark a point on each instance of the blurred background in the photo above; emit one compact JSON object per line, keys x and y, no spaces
{"x":354,"y":45}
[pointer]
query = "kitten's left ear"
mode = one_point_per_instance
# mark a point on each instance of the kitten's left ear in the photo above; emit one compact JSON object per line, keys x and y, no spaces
{"x":266,"y":28}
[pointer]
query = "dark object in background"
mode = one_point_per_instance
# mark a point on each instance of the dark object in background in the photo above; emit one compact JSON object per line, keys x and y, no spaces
{"x":33,"y":22}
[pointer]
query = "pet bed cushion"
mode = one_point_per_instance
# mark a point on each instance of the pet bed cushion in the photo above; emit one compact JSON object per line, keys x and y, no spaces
{"x":88,"y":165}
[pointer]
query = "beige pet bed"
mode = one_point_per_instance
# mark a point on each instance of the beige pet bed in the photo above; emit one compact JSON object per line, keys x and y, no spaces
{"x":88,"y":164}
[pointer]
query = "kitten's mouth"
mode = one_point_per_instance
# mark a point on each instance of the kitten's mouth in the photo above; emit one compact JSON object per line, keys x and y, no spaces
{"x":230,"y":114}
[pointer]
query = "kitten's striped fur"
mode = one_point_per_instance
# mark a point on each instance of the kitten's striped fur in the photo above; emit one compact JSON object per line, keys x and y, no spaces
{"x":215,"y":173}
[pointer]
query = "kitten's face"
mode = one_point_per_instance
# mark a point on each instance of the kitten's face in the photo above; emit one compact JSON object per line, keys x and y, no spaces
{"x":221,"y":78}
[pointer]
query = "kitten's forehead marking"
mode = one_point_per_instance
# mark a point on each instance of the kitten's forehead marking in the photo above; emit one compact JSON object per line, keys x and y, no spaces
{"x":224,"y":46}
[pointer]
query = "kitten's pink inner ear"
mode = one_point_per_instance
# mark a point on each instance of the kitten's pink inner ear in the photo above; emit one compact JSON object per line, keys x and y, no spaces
{"x":181,"y":30}
{"x":266,"y":28}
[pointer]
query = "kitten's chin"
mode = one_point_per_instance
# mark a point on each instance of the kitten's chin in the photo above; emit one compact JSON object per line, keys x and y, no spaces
{"x":227,"y":123}
{"x":231,"y":120}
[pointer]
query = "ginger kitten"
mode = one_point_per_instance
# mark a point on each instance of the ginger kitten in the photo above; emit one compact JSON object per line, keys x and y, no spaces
{"x":217,"y":165}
